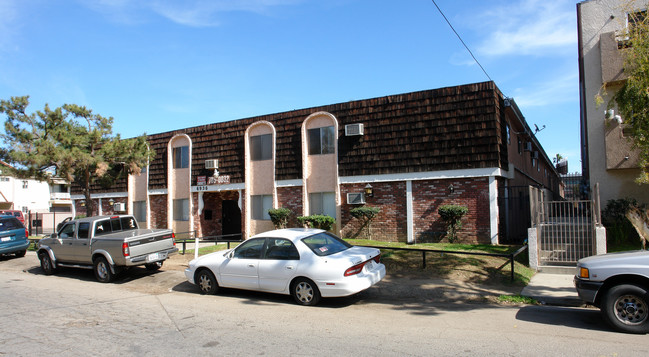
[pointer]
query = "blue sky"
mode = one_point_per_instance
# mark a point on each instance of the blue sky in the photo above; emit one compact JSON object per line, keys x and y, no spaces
{"x":161,"y":65}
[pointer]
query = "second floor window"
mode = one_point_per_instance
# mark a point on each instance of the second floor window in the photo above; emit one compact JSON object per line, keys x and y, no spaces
{"x":321,"y":140}
{"x":261,"y":147}
{"x":181,"y":157}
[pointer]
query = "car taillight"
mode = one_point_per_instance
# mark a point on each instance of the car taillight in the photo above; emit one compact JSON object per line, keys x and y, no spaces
{"x":173,"y":236}
{"x":26,"y":233}
{"x":377,"y":259}
{"x":125,"y":249}
{"x":355,"y":269}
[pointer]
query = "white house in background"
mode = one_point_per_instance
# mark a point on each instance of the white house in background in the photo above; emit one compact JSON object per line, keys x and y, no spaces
{"x":607,"y":156}
{"x":48,"y":203}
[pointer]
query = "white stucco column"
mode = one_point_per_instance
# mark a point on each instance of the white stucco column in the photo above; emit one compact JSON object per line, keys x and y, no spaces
{"x":409,"y":213}
{"x":493,"y":209}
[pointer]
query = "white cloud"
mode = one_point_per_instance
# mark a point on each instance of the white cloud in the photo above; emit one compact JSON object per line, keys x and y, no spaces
{"x":529,"y":27}
{"x":562,"y":90}
{"x":8,"y":23}
{"x":194,"y":13}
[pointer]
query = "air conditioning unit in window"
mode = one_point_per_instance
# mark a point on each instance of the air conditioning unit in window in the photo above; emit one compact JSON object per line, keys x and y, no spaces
{"x":119,"y":207}
{"x":212,"y":164}
{"x":353,"y":129}
{"x":355,"y":198}
{"x":528,"y":146}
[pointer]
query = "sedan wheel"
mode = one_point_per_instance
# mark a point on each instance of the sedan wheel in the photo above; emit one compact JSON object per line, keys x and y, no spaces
{"x":305,"y":292}
{"x":207,"y":282}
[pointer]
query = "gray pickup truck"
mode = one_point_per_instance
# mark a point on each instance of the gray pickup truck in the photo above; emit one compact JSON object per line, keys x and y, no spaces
{"x":618,"y":284}
{"x":106,"y":244}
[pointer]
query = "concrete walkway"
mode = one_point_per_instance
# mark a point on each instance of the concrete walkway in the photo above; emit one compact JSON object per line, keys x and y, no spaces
{"x":553,"y":289}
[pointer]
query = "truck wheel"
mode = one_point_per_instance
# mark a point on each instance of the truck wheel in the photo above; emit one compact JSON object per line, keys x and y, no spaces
{"x":102,"y":270}
{"x":153,"y":266}
{"x":625,"y":308}
{"x":207,"y":282}
{"x":46,"y":263}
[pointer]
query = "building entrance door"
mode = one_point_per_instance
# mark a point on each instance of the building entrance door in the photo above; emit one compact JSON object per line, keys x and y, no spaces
{"x":231,"y":217}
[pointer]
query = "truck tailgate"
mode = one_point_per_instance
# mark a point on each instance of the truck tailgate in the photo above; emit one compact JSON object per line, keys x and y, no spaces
{"x":146,"y":241}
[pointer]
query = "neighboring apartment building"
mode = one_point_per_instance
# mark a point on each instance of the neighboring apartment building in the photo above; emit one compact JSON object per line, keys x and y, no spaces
{"x":407,"y":154}
{"x":607,"y":156}
{"x":48,"y":203}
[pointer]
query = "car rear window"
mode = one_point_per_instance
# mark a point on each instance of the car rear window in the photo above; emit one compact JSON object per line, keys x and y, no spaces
{"x":8,"y":224}
{"x":325,"y":243}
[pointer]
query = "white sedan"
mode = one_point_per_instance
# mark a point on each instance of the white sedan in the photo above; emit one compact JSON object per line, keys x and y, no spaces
{"x":305,"y":263}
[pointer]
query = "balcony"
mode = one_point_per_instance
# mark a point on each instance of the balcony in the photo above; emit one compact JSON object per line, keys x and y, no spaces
{"x":60,"y":197}
{"x":612,"y":58}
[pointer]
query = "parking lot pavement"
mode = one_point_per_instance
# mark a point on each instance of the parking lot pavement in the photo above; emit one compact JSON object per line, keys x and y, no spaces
{"x":171,"y":277}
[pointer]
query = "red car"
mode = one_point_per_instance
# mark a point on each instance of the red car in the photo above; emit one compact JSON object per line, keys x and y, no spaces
{"x":16,"y":213}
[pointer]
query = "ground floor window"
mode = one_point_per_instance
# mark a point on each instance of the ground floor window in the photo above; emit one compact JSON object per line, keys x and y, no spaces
{"x":139,"y":211}
{"x":260,"y":205}
{"x":181,"y":209}
{"x":323,"y":203}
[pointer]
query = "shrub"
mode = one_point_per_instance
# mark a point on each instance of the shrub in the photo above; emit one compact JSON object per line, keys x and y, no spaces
{"x":317,"y":221}
{"x":365,"y":214}
{"x":619,"y":231}
{"x":280,"y":216}
{"x":452,"y":217}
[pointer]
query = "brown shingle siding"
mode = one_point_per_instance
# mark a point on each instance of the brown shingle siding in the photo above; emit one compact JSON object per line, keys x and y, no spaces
{"x":441,"y":129}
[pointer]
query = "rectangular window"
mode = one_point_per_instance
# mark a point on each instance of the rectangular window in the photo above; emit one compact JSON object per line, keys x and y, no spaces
{"x":181,"y":209}
{"x":321,"y":140}
{"x":25,"y":184}
{"x":323,"y":203}
{"x":520,"y":146}
{"x":509,"y":137}
{"x":84,"y":230}
{"x":181,"y":157}
{"x":261,"y":147}
{"x":260,"y":205}
{"x":139,"y":210}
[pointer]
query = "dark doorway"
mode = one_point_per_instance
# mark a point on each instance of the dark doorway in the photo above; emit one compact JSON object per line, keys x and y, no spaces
{"x":514,"y":214}
{"x":231,"y":217}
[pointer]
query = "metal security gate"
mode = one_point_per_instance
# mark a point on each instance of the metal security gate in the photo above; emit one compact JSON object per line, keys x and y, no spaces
{"x":566,"y":232}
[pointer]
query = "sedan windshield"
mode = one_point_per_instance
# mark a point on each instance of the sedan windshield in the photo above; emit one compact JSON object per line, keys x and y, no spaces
{"x":325,"y":243}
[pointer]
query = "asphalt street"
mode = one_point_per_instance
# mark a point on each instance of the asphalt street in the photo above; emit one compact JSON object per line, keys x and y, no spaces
{"x":159,"y":314}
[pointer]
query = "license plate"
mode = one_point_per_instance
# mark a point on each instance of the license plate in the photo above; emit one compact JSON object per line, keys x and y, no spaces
{"x":155,"y":257}
{"x":370,"y":265}
{"x":6,"y":239}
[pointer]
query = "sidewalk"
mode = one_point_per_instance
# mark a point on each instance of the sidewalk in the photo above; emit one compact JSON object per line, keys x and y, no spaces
{"x":553,"y":289}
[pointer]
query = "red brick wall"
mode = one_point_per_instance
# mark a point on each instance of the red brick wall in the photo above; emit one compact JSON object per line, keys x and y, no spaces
{"x":391,"y":222}
{"x":159,"y":211}
{"x":291,"y":198}
{"x":473,"y":193}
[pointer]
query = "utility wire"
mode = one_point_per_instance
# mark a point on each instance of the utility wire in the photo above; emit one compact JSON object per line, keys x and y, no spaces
{"x":458,"y":36}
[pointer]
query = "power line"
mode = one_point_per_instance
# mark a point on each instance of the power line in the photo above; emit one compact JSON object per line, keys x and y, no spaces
{"x":460,"y":38}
